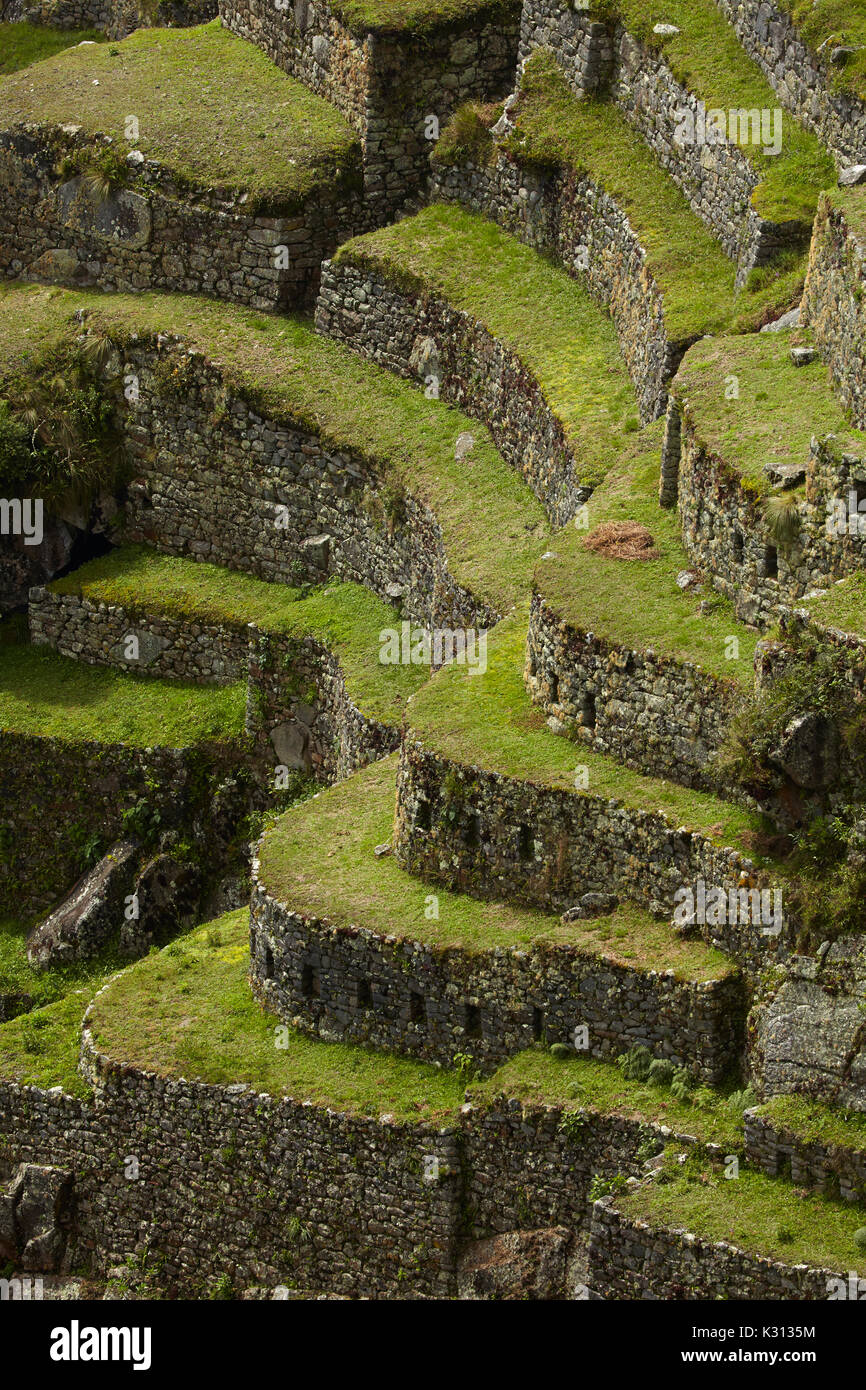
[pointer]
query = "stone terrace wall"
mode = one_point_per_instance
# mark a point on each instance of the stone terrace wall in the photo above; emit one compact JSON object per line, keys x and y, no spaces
{"x":567,"y":213}
{"x":630,"y":1259}
{"x":834,"y":306}
{"x":717,"y":179}
{"x":88,"y":786}
{"x":218,"y":481}
{"x":225,"y":1176}
{"x":418,"y":337}
{"x":802,"y":78}
{"x":116,"y":18}
{"x":387,"y":85}
{"x":153,"y":236}
{"x":838,"y":1171}
{"x":434,"y":1002}
{"x":297,"y":702}
{"x":516,"y":841}
{"x":656,"y":714}
{"x":724,"y":532}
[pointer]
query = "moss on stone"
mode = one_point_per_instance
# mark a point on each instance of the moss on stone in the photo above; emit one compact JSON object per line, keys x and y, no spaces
{"x":210,"y":107}
{"x":531,"y":305}
{"x":638,"y":604}
{"x":420,"y":16}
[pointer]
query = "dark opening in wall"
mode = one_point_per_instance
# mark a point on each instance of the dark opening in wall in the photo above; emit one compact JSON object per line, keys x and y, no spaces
{"x":859,"y":490}
{"x":422,"y":815}
{"x":771,"y":562}
{"x":525,"y":846}
{"x":472,"y":833}
{"x":365,"y":995}
{"x":588,"y":711}
{"x":417,"y":1007}
{"x":472,"y":1024}
{"x":310,"y":987}
{"x":269,"y":963}
{"x":537,"y":1024}
{"x":554,"y":690}
{"x":738,"y":547}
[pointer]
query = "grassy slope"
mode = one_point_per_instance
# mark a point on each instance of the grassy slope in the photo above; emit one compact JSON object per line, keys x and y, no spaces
{"x":297,"y":376}
{"x":41,"y":1048}
{"x":22,"y":44}
{"x":55,"y":697}
{"x":780,"y":406}
{"x":843,"y":606}
{"x":488,"y":721}
{"x":188,"y":1011}
{"x":350,"y":886}
{"x":843,"y":22}
{"x":42,"y":986}
{"x":688,"y":264}
{"x":345,"y":618}
{"x":561,"y":336}
{"x":211,"y":107}
{"x":816,"y":1123}
{"x":851,"y":202}
{"x":752,"y":1212}
{"x":707,"y":58}
{"x":638,"y":602}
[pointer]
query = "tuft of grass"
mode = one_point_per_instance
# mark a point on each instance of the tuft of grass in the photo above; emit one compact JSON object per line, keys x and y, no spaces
{"x":349,"y":886}
{"x":563,"y":338}
{"x":188,"y":1011}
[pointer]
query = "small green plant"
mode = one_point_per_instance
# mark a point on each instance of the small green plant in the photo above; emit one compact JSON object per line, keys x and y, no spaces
{"x":860,"y":1238}
{"x":661,"y":1072}
{"x":572,"y":1124}
{"x":635,"y":1065}
{"x":223,"y":1289}
{"x":604,"y":1187}
{"x":785,"y":1236}
{"x":561,"y":1052}
{"x":465,"y":1067}
{"x":682,"y":1085}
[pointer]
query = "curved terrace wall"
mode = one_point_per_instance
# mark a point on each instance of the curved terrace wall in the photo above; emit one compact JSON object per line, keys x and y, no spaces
{"x":593,"y":238}
{"x":153,"y":235}
{"x":802,"y":78}
{"x":654,"y":713}
{"x":833,"y":303}
{"x":475,"y":371}
{"x":410,"y":997}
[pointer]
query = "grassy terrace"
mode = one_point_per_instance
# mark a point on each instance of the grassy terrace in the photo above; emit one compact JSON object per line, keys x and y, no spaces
{"x":488,"y":721}
{"x":812,"y":1122}
{"x":843,"y":23}
{"x":53,"y":696}
{"x":531,"y":305}
{"x":637,"y":603}
{"x":188,"y":1011}
{"x":538,"y":1078}
{"x":843,"y":606}
{"x":761,"y":1215}
{"x":42,"y":986}
{"x":706,"y":57}
{"x":417,"y":16}
{"x":695,"y":276}
{"x":345,"y":618}
{"x":22,"y":44}
{"x":351,"y":887}
{"x":42,"y":1048}
{"x":780,"y":406}
{"x":296,"y":376}
{"x":851,"y":202}
{"x":211,"y":108}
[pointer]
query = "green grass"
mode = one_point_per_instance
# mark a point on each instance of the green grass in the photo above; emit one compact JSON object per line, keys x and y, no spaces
{"x":210,"y":106}
{"x":706,"y":57}
{"x":188,"y":1011}
{"x":814,"y":1123}
{"x":843,"y":22}
{"x":349,"y":886}
{"x":42,"y":1048}
{"x":566,"y":342}
{"x":23,"y":44}
{"x":345,"y":618}
{"x":536,"y":1077}
{"x":488,"y":721}
{"x":843,"y":606}
{"x":294,"y":375}
{"x":53,"y":696}
{"x":416,"y":16}
{"x":851,"y":202}
{"x":17,"y":976}
{"x":780,"y":406}
{"x":637,"y":603}
{"x":751,"y":1212}
{"x":692,"y":271}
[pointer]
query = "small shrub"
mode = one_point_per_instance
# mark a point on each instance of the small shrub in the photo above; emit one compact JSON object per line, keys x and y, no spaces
{"x":561,"y":1051}
{"x":635,"y":1065}
{"x":860,"y":1238}
{"x":661,"y":1072}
